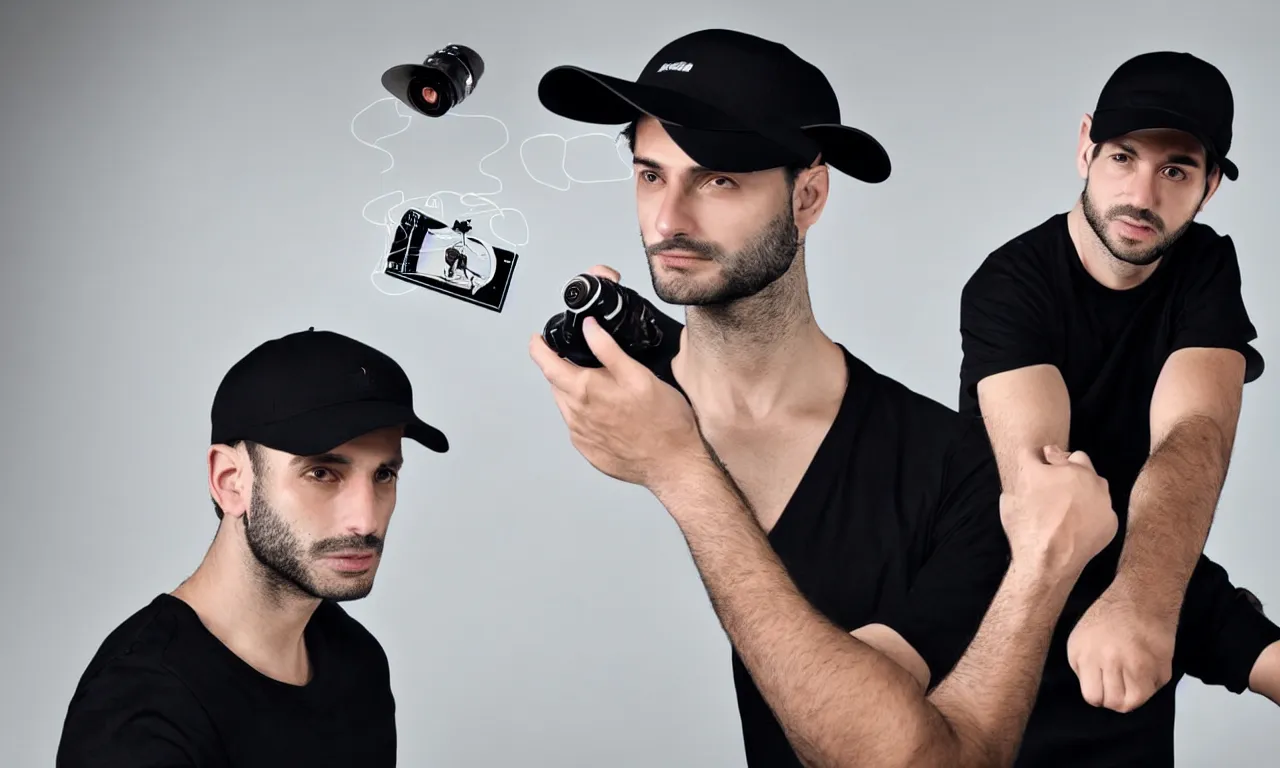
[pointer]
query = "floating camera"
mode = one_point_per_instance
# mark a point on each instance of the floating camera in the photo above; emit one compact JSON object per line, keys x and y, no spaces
{"x":453,"y":263}
{"x":439,"y":83}
{"x":627,"y":316}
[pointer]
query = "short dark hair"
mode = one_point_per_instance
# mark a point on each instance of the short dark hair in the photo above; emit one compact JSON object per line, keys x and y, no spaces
{"x":255,"y":460}
{"x":792,"y":170}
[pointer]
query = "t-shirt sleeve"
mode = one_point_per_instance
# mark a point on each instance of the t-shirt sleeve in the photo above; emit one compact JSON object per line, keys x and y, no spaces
{"x":137,"y":716}
{"x":1006,"y":318}
{"x":966,"y":561}
{"x":1221,"y":633}
{"x":1213,"y":313}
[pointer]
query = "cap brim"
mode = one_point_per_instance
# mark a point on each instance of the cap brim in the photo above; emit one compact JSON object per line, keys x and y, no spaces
{"x":323,"y":430}
{"x":592,"y":97}
{"x":852,"y":151}
{"x":848,"y":150}
{"x":1110,"y":123}
{"x":711,"y":137}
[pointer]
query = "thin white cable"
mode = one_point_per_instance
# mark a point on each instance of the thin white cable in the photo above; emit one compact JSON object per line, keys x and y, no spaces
{"x":433,"y":201}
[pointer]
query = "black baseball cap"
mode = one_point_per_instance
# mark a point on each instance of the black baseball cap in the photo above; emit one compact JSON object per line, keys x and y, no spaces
{"x":732,"y":101}
{"x":310,"y":391}
{"x":1166,"y":89}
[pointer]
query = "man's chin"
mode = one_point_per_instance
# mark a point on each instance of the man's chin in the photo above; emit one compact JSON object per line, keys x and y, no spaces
{"x":1135,"y":257}
{"x":341,"y":593}
{"x":680,"y":289}
{"x":685,"y":297}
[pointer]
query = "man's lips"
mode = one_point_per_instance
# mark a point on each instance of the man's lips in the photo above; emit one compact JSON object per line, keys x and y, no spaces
{"x":1137,"y":229}
{"x":680,"y":256}
{"x":351,"y":561}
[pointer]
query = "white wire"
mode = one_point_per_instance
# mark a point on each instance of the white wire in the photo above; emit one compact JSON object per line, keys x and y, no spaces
{"x":433,"y":201}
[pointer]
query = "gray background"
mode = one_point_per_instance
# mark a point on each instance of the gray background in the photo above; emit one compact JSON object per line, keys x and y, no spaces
{"x":181,"y":182}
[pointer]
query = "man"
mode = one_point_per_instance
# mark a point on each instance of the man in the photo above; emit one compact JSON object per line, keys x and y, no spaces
{"x":846,"y":528}
{"x":252,"y":661}
{"x":1119,"y":328}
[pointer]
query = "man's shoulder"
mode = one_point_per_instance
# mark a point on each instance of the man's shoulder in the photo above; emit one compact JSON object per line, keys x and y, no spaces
{"x":1034,"y":251}
{"x":131,"y":685}
{"x":1201,"y":250}
{"x":145,"y":636}
{"x":1200,"y":235}
{"x":926,"y":425}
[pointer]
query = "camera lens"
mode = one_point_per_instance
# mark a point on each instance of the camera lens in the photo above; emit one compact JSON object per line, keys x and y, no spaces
{"x":577,"y":292}
{"x":438,"y":84}
{"x":449,"y":76}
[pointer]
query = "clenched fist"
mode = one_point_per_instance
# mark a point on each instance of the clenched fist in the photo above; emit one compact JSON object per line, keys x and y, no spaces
{"x":1060,"y":517}
{"x":1122,"y":652}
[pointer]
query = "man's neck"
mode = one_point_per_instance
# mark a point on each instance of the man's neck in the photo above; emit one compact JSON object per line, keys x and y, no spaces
{"x":1097,"y":259}
{"x":261,"y":622}
{"x":759,"y":356}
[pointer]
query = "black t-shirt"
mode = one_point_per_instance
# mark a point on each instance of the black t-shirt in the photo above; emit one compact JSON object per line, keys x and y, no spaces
{"x":896,"y":521}
{"x":1032,"y":302}
{"x":164,"y":692}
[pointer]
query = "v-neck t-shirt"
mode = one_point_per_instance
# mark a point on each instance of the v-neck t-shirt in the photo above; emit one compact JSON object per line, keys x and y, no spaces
{"x":163,"y":692}
{"x":895,"y":521}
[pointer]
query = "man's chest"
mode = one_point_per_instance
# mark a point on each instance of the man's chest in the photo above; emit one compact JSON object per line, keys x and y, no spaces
{"x":768,"y":465}
{"x":1112,"y":351}
{"x":272,"y":728}
{"x":845,"y":524}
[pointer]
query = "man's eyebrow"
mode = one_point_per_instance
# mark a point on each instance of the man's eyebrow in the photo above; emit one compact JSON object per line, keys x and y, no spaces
{"x":395,"y":462}
{"x":321,"y":458}
{"x":693,"y":169}
{"x":1176,"y":159}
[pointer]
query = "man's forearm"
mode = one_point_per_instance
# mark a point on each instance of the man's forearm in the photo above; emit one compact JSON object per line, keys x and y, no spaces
{"x":840,"y":701}
{"x":990,"y":693}
{"x":1171,"y":508}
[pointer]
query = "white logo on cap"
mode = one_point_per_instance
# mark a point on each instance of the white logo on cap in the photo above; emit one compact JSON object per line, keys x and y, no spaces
{"x":676,"y":66}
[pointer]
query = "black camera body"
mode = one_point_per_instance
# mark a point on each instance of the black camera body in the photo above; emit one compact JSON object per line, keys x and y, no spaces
{"x":440,"y":83}
{"x":625,"y":315}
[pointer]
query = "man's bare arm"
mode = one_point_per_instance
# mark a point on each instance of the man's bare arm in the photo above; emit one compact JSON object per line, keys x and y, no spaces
{"x":839,"y":700}
{"x":1265,"y":677}
{"x":1194,"y":412}
{"x":887,"y":641}
{"x":1024,"y":410}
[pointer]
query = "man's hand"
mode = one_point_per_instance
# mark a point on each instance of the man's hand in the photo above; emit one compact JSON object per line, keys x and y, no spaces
{"x":1122,"y":651}
{"x":624,"y":420}
{"x":607,"y":272}
{"x":1061,"y":515}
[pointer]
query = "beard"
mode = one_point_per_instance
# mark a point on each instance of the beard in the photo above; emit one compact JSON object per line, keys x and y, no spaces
{"x":284,"y":563}
{"x":1121,"y":248}
{"x":746,"y":272}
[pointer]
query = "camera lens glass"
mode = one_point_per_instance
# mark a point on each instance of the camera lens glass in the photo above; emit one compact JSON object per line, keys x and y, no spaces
{"x":432,"y":92}
{"x":451,"y":75}
{"x":576,"y":293}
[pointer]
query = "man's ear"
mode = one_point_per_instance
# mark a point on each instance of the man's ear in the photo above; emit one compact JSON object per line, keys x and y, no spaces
{"x":230,"y":479}
{"x":812,"y":187}
{"x":1084,"y":146}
